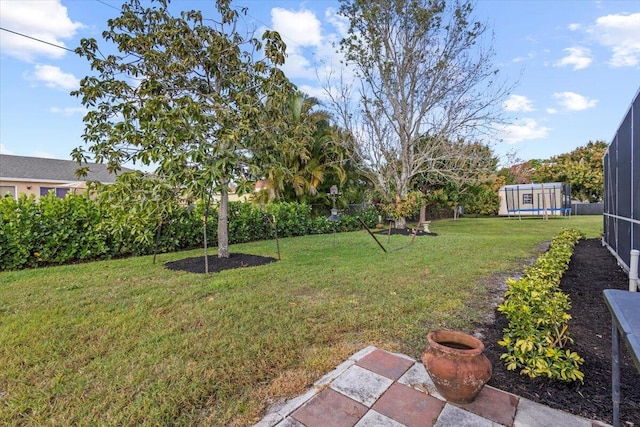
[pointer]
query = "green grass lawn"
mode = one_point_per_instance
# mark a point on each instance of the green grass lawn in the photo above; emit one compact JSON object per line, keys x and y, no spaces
{"x":128,"y":342}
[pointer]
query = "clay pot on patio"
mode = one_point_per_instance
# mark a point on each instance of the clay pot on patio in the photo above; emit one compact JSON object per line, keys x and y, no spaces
{"x":457,"y":365}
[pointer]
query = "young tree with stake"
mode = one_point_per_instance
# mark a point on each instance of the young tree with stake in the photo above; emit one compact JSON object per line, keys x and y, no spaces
{"x":186,"y":94}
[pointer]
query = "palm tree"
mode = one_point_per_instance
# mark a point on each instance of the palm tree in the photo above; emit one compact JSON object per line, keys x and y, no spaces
{"x":308,"y":154}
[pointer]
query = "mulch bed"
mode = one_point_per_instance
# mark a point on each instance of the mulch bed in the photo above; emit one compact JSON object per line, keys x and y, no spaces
{"x":405,"y":232}
{"x":235,"y":260}
{"x":592,"y":269}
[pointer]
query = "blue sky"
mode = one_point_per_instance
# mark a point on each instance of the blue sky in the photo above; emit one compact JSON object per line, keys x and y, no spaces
{"x":576,"y":64}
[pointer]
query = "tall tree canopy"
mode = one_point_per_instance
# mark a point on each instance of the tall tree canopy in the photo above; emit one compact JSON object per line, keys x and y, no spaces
{"x":460,"y":176}
{"x":187,"y":94}
{"x":582,"y":168}
{"x":314,"y":164}
{"x":423,"y":78}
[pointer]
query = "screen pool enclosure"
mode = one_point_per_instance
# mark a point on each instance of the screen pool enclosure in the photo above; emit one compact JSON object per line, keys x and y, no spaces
{"x":622,"y":187}
{"x":543,"y":199}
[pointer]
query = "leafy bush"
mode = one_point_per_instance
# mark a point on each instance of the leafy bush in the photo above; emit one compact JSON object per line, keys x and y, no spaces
{"x":292,"y":219}
{"x":49,"y":231}
{"x":68,"y":229}
{"x":247,"y":222}
{"x":120,"y":223}
{"x":537,"y":335}
{"x":406,"y":207}
{"x":18,"y":232}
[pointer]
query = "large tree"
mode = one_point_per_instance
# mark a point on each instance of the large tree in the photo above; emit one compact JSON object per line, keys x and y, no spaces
{"x":422,"y":71}
{"x":316,"y":156}
{"x":582,"y":168}
{"x":186,"y":94}
{"x":461,"y":171}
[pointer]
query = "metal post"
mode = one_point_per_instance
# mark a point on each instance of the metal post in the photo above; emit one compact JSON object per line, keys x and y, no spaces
{"x":615,"y":372}
{"x":633,"y":270}
{"x":371,"y":234}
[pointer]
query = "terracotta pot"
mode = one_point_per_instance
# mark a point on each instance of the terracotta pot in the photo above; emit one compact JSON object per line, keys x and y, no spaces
{"x":457,"y":365}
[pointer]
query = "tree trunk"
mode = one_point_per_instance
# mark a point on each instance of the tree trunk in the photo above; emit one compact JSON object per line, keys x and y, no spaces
{"x":205,"y":221}
{"x":223,"y":223}
{"x":423,"y":214}
{"x":401,"y":223}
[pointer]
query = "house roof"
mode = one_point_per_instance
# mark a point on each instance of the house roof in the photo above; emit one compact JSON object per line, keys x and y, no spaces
{"x":532,"y":186}
{"x":38,"y":168}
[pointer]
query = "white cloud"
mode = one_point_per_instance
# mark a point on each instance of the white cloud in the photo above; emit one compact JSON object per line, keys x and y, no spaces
{"x":69,"y":111}
{"x":3,"y":149}
{"x":523,"y":130}
{"x":574,"y":27}
{"x":302,"y":27}
{"x":310,"y":51}
{"x":54,"y":77}
{"x":552,"y":111}
{"x":44,"y":20}
{"x":527,"y":57}
{"x":316,"y":92}
{"x":572,"y":101}
{"x":340,"y":22}
{"x":296,"y":65}
{"x":518,"y":103}
{"x":578,"y":57}
{"x":300,"y":30}
{"x":620,"y":33}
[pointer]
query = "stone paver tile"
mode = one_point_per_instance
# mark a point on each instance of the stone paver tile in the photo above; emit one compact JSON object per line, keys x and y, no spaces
{"x":325,"y":380}
{"x":278,"y":413}
{"x":269,"y":420}
{"x":417,"y":377}
{"x":453,"y":416}
{"x":290,"y":422}
{"x":361,"y":385}
{"x":376,"y":419}
{"x":335,"y":373}
{"x":385,"y":363}
{"x":330,"y":409}
{"x":495,"y":405}
{"x":408,"y":406}
{"x":362,"y":353}
{"x":532,"y":414}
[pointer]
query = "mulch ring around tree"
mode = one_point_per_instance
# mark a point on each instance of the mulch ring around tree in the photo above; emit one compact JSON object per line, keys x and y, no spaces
{"x":405,"y":232}
{"x":591,"y":270}
{"x":235,"y":260}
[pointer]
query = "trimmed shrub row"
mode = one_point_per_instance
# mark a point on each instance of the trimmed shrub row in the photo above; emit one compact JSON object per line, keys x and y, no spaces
{"x":537,"y":310}
{"x":55,"y":231}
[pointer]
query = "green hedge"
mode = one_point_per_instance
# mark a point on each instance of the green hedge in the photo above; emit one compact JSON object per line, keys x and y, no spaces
{"x":537,"y":310}
{"x":51,"y":231}
{"x":55,"y":231}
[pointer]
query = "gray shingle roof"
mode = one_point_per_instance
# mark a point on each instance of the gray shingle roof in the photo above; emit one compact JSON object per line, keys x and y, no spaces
{"x":37,"y":168}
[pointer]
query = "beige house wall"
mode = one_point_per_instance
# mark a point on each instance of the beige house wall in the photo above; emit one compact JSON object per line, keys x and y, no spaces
{"x":76,"y":187}
{"x":33,"y":187}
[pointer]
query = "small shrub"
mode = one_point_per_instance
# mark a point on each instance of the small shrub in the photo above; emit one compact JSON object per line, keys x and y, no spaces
{"x":292,"y":219}
{"x":405,"y":207}
{"x":247,"y":222}
{"x":18,"y":232}
{"x":537,"y":335}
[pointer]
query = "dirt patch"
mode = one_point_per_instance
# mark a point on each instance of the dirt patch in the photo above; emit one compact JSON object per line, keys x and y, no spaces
{"x":196,"y":264}
{"x":592,"y":269}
